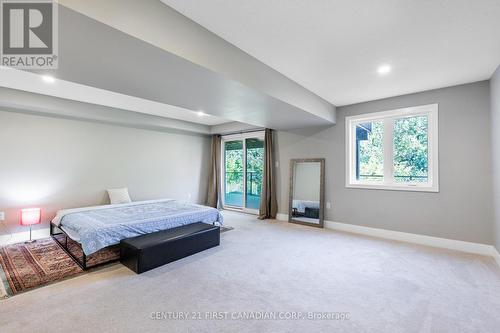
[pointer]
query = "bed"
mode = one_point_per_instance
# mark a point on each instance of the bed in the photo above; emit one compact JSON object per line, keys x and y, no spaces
{"x":91,"y":235}
{"x":306,"y":208}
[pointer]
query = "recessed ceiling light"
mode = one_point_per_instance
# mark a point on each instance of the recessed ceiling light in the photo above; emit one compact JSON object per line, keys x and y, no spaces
{"x":384,"y":69}
{"x":48,"y":79}
{"x":200,"y":113}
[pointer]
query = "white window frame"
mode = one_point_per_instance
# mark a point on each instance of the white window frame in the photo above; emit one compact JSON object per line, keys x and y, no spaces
{"x":234,"y":137}
{"x":388,"y":118}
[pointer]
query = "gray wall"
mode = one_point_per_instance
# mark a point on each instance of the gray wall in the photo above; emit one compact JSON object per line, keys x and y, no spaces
{"x":462,"y":209}
{"x":61,"y":163}
{"x":495,"y":129}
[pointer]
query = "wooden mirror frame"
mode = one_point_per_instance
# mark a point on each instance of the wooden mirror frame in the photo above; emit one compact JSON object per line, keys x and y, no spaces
{"x":293,"y":162}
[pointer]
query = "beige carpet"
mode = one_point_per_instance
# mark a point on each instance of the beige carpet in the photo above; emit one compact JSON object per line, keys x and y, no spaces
{"x":3,"y":292}
{"x":276,"y":268}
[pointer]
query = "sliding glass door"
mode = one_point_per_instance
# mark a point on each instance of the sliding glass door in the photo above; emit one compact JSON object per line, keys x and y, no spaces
{"x":233,"y":165}
{"x":254,"y":169}
{"x":243,"y":162}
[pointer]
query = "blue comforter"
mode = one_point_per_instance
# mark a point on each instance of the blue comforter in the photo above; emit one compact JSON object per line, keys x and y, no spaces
{"x":99,"y":228}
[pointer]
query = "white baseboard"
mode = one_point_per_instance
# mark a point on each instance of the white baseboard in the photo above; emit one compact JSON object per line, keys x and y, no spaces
{"x":469,"y":247}
{"x":282,"y":217}
{"x":23,"y":236}
{"x":496,"y":255}
{"x":445,"y":243}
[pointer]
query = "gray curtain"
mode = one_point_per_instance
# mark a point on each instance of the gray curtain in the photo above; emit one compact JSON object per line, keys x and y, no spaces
{"x":268,"y":203}
{"x":214,"y":188}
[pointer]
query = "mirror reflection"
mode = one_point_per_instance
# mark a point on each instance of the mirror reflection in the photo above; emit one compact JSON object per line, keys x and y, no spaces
{"x":306,"y":192}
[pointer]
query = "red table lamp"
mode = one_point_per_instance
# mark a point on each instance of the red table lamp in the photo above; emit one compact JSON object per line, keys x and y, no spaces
{"x":30,"y":216}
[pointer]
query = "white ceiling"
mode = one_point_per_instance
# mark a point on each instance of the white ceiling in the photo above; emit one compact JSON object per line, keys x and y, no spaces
{"x":31,"y":82}
{"x":333,"y":47}
{"x":180,"y":64}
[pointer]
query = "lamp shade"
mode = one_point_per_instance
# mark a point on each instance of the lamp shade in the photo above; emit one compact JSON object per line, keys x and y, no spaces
{"x":30,"y":216}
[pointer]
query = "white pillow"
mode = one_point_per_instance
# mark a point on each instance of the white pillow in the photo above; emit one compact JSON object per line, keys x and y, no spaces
{"x":118,"y":196}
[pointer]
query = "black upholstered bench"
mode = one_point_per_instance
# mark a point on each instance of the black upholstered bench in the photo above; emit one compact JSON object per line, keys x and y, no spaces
{"x":149,"y":251}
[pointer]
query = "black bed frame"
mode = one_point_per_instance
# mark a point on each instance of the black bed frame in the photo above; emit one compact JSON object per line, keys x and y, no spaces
{"x":82,"y":262}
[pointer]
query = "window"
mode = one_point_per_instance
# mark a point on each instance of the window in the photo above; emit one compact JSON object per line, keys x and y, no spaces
{"x":242,"y":169}
{"x":393,"y":150}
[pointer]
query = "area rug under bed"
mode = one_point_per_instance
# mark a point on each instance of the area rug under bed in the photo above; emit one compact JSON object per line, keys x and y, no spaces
{"x":25,"y":266}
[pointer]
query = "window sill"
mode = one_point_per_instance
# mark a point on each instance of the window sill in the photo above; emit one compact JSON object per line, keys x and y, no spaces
{"x":412,"y":188}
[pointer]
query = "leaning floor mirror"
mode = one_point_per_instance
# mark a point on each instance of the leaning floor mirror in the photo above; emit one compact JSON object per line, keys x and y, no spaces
{"x":307,"y":191}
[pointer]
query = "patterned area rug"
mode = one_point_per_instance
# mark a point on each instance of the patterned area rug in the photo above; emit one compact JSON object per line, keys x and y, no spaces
{"x":107,"y":254}
{"x":27,"y":266}
{"x":225,"y":228}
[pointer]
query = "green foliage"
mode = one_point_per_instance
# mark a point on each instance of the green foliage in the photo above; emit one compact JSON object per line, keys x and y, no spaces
{"x":234,"y":166}
{"x":371,"y":154}
{"x":410,"y":148}
{"x":255,"y":165}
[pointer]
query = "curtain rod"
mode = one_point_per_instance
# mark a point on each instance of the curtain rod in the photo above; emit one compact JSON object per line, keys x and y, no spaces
{"x":243,"y":131}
